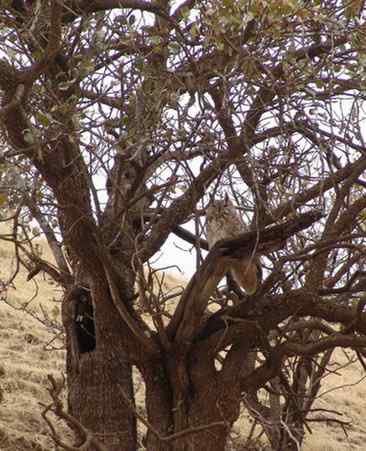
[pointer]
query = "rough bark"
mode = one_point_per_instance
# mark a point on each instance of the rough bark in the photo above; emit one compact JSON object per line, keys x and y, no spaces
{"x":96,"y":399}
{"x":189,"y":403}
{"x":100,"y":381}
{"x":158,"y":406}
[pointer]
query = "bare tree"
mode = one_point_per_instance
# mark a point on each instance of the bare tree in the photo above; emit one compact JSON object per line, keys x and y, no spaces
{"x":119,"y":118}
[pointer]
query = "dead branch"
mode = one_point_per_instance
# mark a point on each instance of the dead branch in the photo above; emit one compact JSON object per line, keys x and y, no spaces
{"x":84,"y":436}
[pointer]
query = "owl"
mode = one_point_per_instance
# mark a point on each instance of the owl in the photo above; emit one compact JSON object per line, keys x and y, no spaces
{"x":224,"y":222}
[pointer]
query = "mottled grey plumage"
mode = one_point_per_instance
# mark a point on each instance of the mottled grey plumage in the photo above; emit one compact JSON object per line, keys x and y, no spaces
{"x":223,"y":222}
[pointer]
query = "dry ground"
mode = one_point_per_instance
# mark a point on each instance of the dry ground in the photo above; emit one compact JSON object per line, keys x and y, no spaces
{"x":26,"y":359}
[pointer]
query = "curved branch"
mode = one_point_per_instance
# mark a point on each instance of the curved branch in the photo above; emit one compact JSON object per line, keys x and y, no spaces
{"x":187,"y":316}
{"x":75,"y":8}
{"x":261,"y":375}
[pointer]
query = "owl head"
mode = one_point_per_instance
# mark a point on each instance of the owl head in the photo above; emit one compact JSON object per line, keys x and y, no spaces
{"x":219,"y":208}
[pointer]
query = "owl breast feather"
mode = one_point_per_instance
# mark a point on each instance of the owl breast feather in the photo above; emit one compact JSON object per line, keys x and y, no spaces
{"x":217,"y":230}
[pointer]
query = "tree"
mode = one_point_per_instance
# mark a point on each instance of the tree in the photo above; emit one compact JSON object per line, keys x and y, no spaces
{"x":119,"y":118}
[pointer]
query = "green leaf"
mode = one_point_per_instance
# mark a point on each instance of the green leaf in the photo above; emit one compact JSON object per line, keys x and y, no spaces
{"x":43,"y":118}
{"x":28,"y":136}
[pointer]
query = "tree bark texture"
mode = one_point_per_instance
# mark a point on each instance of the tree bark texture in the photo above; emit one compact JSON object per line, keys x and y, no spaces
{"x":189,"y":403}
{"x":96,"y":399}
{"x":99,"y":383}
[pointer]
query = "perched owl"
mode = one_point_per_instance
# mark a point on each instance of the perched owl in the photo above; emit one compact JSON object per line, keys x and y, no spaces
{"x":224,"y":222}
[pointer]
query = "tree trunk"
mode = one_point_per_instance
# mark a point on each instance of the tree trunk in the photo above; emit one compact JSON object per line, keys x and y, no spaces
{"x":96,"y":400}
{"x":98,"y":382}
{"x":194,"y":413}
{"x":191,"y":398}
{"x":158,"y":407}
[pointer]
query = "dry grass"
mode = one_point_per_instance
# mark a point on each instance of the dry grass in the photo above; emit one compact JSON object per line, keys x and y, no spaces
{"x":25,"y":363}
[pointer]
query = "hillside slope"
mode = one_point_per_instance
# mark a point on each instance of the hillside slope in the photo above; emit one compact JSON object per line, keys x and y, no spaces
{"x":26,"y":358}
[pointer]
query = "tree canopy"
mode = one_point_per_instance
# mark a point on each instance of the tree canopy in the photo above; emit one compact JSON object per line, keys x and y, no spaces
{"x":119,"y":120}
